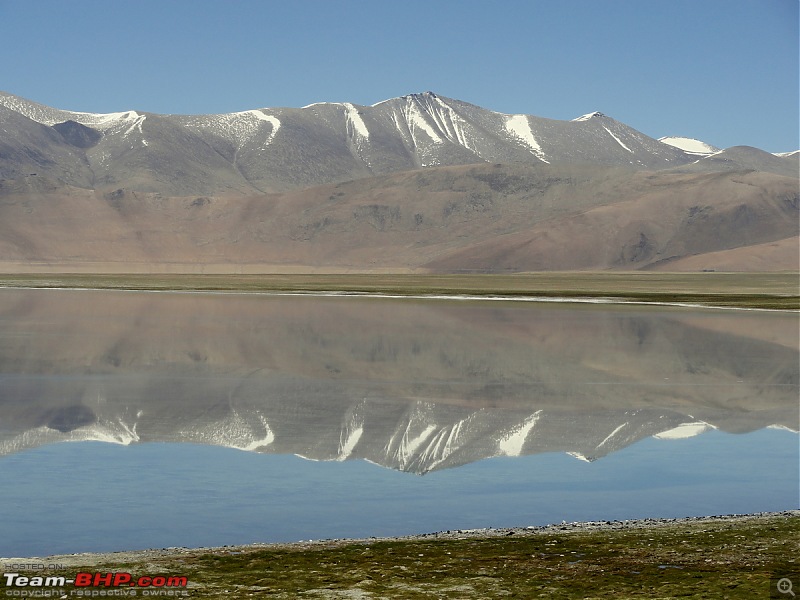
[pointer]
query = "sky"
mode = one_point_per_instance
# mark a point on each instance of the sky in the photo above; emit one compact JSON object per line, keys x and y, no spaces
{"x":722,"y":71}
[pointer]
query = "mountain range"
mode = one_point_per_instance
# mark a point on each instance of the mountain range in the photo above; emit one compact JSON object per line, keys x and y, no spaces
{"x":420,"y":182}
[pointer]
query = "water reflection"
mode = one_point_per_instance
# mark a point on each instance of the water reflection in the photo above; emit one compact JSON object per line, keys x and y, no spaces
{"x":411,"y":385}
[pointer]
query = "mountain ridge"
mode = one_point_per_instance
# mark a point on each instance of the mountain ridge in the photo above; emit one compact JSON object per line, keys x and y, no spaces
{"x":280,"y":149}
{"x":333,"y":142}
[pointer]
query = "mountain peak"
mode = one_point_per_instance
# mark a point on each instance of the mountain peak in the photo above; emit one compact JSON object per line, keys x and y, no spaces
{"x":588,"y":116}
{"x":420,"y":96}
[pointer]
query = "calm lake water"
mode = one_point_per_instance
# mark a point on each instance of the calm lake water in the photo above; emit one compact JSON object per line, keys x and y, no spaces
{"x":135,"y":420}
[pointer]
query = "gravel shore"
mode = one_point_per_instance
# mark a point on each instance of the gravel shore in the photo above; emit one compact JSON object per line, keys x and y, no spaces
{"x":139,"y":556}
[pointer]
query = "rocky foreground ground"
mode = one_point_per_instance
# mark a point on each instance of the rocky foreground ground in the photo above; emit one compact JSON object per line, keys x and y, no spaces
{"x":733,"y":556}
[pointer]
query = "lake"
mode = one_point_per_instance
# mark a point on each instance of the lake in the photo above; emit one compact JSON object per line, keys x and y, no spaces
{"x":132,"y":419}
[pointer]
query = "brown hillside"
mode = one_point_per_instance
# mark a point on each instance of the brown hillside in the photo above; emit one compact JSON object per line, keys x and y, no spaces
{"x":464,"y":218}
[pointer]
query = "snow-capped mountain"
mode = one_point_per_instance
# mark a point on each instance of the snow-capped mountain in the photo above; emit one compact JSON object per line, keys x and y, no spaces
{"x":275,"y":149}
{"x":415,"y":182}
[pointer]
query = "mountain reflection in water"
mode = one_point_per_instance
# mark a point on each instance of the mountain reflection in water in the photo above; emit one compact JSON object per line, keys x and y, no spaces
{"x":408,"y":384}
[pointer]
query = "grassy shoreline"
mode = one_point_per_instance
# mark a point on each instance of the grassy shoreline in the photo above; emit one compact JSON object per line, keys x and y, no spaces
{"x":739,"y":556}
{"x":743,"y":290}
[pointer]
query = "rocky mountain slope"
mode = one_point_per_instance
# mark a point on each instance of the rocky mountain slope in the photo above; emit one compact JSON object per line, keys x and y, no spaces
{"x":285,"y":148}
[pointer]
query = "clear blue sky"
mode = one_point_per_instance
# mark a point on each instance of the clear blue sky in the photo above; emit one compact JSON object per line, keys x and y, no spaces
{"x":723,"y":71}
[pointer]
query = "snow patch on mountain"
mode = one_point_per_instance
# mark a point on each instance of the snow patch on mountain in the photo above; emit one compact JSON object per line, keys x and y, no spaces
{"x":408,"y":445}
{"x":261,"y":116}
{"x":619,"y":141}
{"x":261,"y":442}
{"x":313,"y":104}
{"x":355,"y":120}
{"x":416,"y":120}
{"x":35,"y":112}
{"x":104,"y":430}
{"x":441,"y":446}
{"x":512,"y":443}
{"x":136,"y":123}
{"x":450,"y":123}
{"x":610,"y":435}
{"x":118,"y":123}
{"x":239,"y":127}
{"x":351,"y":432}
{"x":683,"y":431}
{"x":406,"y":441}
{"x":782,"y":428}
{"x":689,"y":145}
{"x":109,"y":432}
{"x":520,"y":127}
{"x":588,"y":116}
{"x":130,"y":119}
{"x":50,"y":116}
{"x":579,"y":456}
{"x":235,"y":431}
{"x":347,"y":444}
{"x":705,"y":156}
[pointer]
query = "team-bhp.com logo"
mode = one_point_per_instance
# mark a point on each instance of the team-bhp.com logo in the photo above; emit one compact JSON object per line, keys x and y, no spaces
{"x":94,"y":585}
